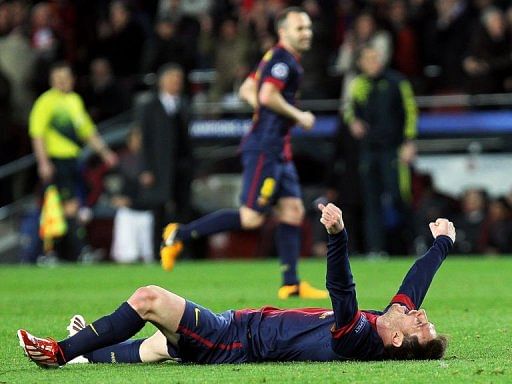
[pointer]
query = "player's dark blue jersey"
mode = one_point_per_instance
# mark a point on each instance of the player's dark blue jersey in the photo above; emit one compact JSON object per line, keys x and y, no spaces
{"x":342,"y":332}
{"x":303,"y":334}
{"x":270,"y":131}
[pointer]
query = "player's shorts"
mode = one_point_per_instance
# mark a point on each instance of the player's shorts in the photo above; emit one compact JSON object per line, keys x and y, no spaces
{"x":209,"y":338}
{"x":266,"y":179}
{"x":67,"y":177}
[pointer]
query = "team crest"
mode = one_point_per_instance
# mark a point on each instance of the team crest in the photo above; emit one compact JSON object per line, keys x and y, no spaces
{"x":279,"y":71}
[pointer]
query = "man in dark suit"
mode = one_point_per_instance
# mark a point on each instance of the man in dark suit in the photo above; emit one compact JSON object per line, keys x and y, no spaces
{"x":164,"y":123}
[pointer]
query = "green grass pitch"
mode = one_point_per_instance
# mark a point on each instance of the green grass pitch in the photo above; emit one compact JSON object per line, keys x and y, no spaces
{"x":470,"y":300}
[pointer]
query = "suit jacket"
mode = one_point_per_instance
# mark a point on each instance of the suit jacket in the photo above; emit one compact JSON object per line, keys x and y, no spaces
{"x":165,"y":151}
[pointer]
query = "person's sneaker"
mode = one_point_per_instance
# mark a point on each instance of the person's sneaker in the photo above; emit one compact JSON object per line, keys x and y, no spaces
{"x":304,"y":290}
{"x":171,"y":247}
{"x":169,"y":233}
{"x":42,"y":351}
{"x":76,"y":324}
{"x":169,"y":254}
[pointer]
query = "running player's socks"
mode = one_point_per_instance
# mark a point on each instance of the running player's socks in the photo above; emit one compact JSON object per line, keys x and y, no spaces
{"x":125,"y":352}
{"x":288,"y":249}
{"x":119,"y":326}
{"x":215,"y":222}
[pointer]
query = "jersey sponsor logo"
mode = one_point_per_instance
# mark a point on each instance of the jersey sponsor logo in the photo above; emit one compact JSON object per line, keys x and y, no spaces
{"x":197,"y":311}
{"x":360,"y":324}
{"x":280,"y":71}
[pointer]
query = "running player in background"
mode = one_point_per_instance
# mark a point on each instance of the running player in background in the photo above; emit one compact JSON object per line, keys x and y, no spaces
{"x":269,"y":175}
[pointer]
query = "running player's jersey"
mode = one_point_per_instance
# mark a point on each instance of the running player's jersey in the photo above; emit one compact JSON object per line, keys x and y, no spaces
{"x":270,"y":131}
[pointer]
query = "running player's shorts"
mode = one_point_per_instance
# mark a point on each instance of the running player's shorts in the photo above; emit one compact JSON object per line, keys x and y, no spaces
{"x":266,"y":179}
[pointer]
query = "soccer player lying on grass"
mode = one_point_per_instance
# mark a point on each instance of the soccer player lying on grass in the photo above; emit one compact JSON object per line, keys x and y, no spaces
{"x":191,"y":333}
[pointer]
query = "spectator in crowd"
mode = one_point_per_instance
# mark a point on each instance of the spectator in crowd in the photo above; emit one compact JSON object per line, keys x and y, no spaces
{"x":164,"y":47}
{"x":45,"y":42}
{"x":381,"y":115}
{"x":121,"y":39}
{"x":364,"y":33}
{"x":430,"y":204}
{"x":104,"y":97}
{"x":470,"y":220}
{"x":445,"y":42}
{"x":5,"y":19}
{"x":489,"y":60}
{"x":497,"y":229}
{"x":231,"y":59}
{"x":315,"y":83}
{"x":59,"y":126}
{"x":18,"y":62}
{"x":405,"y":58}
{"x":19,"y":12}
{"x":166,"y":155}
{"x":205,"y":43}
{"x":133,"y":224}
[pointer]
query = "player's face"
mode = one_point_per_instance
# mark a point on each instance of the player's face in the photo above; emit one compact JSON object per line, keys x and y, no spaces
{"x":414,"y":323}
{"x":62,"y":79}
{"x":417,"y":324}
{"x":297,"y":31}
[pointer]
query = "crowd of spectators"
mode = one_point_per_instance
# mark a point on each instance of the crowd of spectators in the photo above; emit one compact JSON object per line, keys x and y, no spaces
{"x":442,"y":46}
{"x":484,"y":224}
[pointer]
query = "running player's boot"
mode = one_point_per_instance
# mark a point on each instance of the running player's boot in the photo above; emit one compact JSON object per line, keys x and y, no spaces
{"x":42,"y":351}
{"x":76,"y":324}
{"x":171,"y":248}
{"x":304,"y":290}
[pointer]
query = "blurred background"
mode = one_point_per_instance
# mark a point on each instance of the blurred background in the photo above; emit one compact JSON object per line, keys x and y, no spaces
{"x":457,"y":54}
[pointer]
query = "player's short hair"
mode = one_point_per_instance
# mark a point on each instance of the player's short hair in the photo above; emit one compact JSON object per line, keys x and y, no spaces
{"x":411,"y":349}
{"x":281,"y":16}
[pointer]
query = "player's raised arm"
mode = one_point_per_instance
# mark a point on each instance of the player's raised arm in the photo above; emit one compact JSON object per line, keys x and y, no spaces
{"x":339,"y":279}
{"x":417,"y":281}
